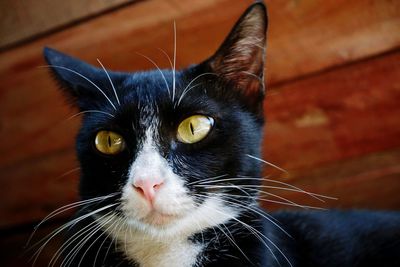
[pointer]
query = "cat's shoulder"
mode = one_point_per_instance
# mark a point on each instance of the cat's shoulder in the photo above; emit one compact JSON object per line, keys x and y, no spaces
{"x":338,"y":237}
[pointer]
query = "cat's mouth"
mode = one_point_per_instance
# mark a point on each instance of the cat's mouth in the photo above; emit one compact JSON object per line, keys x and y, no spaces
{"x":158,"y":218}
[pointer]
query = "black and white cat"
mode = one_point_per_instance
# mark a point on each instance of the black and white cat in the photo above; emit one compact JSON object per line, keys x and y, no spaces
{"x":170,"y":171}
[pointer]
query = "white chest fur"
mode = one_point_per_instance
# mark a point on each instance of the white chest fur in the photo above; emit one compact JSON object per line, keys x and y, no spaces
{"x":152,"y":253}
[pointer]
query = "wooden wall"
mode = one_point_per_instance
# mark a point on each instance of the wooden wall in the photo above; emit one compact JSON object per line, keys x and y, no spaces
{"x":333,"y":102}
{"x":23,"y":20}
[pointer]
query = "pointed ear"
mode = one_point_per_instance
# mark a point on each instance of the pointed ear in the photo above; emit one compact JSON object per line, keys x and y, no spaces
{"x":240,"y":59}
{"x":85,"y":86}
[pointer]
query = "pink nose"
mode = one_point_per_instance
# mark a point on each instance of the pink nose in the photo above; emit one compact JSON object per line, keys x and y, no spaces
{"x":147,"y":187}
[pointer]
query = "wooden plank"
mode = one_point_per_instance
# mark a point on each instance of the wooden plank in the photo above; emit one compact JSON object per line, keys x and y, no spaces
{"x":340,"y":114}
{"x":307,"y":36}
{"x":36,"y":188}
{"x":13,"y":244}
{"x":304,"y":36}
{"x":313,"y":122}
{"x":18,"y":100}
{"x":367,"y":182}
{"x":25,"y":19}
{"x":25,"y":88}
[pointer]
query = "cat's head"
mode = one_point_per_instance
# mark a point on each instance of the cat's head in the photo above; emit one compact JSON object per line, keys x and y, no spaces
{"x":168,"y":148}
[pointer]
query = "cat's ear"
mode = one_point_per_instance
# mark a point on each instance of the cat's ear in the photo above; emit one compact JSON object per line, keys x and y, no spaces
{"x":240,"y":59}
{"x":86,"y":86}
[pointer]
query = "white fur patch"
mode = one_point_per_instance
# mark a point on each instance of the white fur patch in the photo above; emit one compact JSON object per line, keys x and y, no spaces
{"x":168,"y":246}
{"x":157,"y":235}
{"x":171,"y":199}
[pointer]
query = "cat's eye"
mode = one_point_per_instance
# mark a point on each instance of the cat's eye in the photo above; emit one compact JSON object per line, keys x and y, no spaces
{"x":194,"y":128}
{"x":109,"y":143}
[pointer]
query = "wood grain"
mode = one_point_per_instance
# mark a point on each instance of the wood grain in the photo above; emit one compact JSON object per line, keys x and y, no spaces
{"x":371,"y":181}
{"x":22,"y":19}
{"x":37,"y":187}
{"x":25,"y":87}
{"x":304,"y":36}
{"x":364,"y":182}
{"x":307,"y":36}
{"x":201,"y":27}
{"x":348,"y":112}
{"x":14,"y":251}
{"x":344,"y":113}
{"x":314,"y":127}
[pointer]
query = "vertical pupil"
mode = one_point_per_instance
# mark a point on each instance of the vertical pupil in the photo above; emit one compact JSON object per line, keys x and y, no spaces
{"x":109,"y":141}
{"x":191,"y":128}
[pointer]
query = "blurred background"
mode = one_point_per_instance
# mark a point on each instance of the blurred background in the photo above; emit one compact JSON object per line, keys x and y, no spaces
{"x":332,"y":107}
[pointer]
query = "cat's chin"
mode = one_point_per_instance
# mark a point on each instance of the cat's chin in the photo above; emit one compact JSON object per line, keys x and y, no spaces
{"x":155,"y":218}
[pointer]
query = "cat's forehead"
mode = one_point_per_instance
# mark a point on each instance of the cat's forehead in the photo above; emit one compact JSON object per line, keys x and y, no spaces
{"x":162,"y":93}
{"x":151,"y":85}
{"x":143,"y":95}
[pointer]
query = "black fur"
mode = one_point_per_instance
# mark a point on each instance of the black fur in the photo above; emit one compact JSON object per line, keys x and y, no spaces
{"x":234,"y":100}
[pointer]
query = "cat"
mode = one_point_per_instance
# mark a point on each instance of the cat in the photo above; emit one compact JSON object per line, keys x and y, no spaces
{"x":170,"y":170}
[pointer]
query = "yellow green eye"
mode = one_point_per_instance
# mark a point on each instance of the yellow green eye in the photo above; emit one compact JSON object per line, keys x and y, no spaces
{"x":109,"y":143}
{"x":194,"y":128}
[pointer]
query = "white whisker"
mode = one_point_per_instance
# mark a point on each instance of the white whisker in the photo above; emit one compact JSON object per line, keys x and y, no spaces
{"x":258,"y":191}
{"x":158,"y":68}
{"x":113,"y":240}
{"x":264,"y":215}
{"x":122,"y":224}
{"x":174,"y":69}
{"x":291,"y":188}
{"x":317,"y":196}
{"x":268,"y":163}
{"x":112,"y":85}
{"x":70,"y":241}
{"x":84,"y":77}
{"x":67,"y":173}
{"x":187,"y":88}
{"x":101,"y":225}
{"x":169,"y":59}
{"x":257,"y":234}
{"x":106,"y":237}
{"x":50,"y":236}
{"x":206,"y":179}
{"x":184,"y":93}
{"x":288,"y":202}
{"x":233,"y":241}
{"x":275,"y":187}
{"x":69,"y":259}
{"x":65,"y":208}
{"x":90,"y":111}
{"x":68,"y":207}
{"x":261,"y":234}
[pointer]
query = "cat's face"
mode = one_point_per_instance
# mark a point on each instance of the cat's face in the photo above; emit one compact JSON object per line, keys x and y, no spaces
{"x":167,"y":146}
